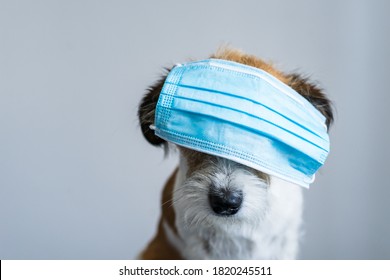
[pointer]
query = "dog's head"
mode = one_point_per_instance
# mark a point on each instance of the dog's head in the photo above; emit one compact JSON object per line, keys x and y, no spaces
{"x":213,"y":194}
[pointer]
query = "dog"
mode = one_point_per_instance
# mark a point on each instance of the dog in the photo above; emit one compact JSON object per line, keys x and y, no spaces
{"x":216,"y":208}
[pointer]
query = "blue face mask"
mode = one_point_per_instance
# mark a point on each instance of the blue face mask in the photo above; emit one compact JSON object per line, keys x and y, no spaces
{"x":243,"y":114}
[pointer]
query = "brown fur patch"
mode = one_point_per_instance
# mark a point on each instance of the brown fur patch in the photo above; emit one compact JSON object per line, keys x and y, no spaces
{"x":195,"y":160}
{"x":168,"y":212}
{"x":313,"y":94}
{"x":160,"y":248}
{"x":250,"y":60}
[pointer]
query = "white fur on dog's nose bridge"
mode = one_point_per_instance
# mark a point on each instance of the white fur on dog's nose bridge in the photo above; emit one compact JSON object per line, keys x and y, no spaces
{"x":234,"y":178}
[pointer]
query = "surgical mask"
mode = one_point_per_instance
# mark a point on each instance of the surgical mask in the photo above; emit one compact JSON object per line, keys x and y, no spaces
{"x":243,"y":114}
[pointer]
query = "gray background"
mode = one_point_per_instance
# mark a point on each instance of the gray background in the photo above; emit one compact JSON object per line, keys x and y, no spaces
{"x":77,"y":179}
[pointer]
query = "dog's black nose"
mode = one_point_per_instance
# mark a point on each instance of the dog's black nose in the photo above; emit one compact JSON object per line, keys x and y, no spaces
{"x":225,"y":202}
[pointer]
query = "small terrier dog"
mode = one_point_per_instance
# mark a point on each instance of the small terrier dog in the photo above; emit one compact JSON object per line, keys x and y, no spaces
{"x":214,"y":208}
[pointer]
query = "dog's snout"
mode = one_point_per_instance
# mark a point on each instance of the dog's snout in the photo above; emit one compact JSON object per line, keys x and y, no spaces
{"x":225,"y":202}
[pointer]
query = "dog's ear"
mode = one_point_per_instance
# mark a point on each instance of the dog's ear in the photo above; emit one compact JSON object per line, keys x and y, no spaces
{"x":313,"y":94}
{"x":147,"y":109}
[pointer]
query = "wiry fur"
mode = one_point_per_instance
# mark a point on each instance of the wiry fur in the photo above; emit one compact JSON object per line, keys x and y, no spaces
{"x":267,"y":225}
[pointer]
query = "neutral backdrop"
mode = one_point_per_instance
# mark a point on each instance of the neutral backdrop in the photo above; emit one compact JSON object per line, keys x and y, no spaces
{"x":77,"y":179}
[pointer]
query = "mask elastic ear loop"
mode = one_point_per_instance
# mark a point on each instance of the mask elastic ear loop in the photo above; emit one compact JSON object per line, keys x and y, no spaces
{"x":311,"y":180}
{"x":152,"y":127}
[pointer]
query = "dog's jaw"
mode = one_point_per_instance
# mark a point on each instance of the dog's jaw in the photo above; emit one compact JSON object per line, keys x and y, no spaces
{"x":266,"y":227}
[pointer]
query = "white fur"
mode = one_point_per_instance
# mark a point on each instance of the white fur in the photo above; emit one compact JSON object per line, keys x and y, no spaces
{"x":266,"y":227}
